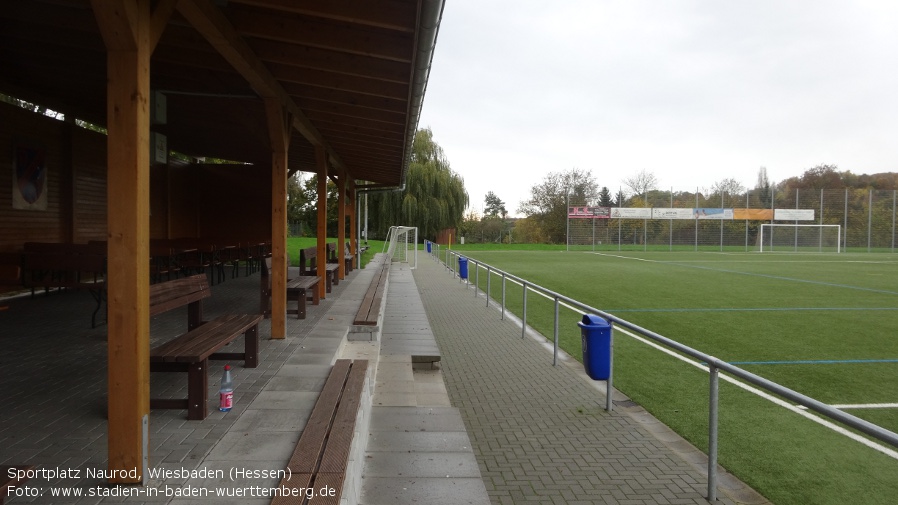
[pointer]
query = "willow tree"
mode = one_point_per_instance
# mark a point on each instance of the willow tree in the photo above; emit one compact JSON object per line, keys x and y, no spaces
{"x":434,"y":197}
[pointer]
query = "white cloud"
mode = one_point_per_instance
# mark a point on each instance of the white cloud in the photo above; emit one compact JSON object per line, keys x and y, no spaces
{"x":692,"y":91}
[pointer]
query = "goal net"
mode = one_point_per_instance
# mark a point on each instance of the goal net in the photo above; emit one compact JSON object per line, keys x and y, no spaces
{"x":402,"y":245}
{"x":800,"y":238}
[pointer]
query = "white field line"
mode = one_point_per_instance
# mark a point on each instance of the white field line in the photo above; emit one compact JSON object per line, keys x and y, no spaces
{"x":848,"y":406}
{"x":800,"y":410}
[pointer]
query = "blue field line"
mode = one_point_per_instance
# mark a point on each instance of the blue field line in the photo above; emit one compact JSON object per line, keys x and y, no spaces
{"x":757,"y":309}
{"x":814,"y":362}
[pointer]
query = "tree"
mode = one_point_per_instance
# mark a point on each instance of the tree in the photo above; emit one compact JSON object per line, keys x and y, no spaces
{"x":727,"y":187}
{"x":493,"y":206}
{"x":470,"y":227}
{"x":297,"y":201}
{"x":763,"y":188}
{"x":434,"y":197}
{"x":302,"y":204}
{"x":547,"y":205}
{"x":641,"y":183}
{"x":620,"y":198}
{"x":528,"y":231}
{"x":605,"y":197}
{"x":821,"y":177}
{"x":493,"y":224}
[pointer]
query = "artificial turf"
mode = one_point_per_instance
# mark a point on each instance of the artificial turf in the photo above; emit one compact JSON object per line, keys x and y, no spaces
{"x":835,"y":310}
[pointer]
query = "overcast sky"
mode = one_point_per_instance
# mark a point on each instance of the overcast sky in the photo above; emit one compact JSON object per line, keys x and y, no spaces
{"x":692,"y":91}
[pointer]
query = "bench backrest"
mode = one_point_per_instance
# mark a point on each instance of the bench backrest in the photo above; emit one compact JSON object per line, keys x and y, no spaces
{"x":308,"y":261}
{"x":332,"y":256}
{"x":266,"y":276}
{"x":93,"y":263}
{"x":190,"y":291}
{"x":63,"y":270}
{"x":92,"y":248}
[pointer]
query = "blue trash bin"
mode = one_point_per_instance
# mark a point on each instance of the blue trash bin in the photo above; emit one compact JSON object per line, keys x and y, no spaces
{"x":462,"y":267}
{"x":428,"y":246}
{"x":596,"y":336}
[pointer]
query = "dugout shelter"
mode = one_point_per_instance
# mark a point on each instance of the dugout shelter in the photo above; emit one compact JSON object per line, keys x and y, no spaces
{"x":275,"y":86}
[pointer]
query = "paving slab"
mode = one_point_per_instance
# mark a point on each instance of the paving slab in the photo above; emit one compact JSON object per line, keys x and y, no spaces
{"x":539,"y":431}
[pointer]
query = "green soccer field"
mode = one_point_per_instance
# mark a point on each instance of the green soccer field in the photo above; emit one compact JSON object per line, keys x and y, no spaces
{"x":825,"y":325}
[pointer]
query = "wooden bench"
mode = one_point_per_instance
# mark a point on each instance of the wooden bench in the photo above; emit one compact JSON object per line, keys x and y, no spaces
{"x":66,"y":266}
{"x":333,"y":257}
{"x":191,"y":351}
{"x":308,"y":265}
{"x":198,"y":255}
{"x":369,"y":310}
{"x":301,"y":289}
{"x":252,"y":253}
{"x":10,"y":272}
{"x":321,"y":456}
{"x":19,"y":477}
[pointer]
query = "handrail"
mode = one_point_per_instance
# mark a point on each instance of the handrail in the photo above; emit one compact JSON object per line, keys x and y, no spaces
{"x":714,"y":364}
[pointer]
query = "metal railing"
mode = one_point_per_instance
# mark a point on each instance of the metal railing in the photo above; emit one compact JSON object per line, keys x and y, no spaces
{"x":713,"y":364}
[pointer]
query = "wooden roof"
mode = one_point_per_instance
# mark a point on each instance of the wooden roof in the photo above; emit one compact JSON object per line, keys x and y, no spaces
{"x":352,"y":72}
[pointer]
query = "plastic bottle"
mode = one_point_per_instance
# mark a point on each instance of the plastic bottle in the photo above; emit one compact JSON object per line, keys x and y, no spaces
{"x":226,"y":393}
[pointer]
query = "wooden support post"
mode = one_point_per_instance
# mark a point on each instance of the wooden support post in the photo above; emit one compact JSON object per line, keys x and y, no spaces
{"x":341,"y":226}
{"x":279,"y":130}
{"x":353,"y":230}
{"x":321,"y":163}
{"x":125,"y":25}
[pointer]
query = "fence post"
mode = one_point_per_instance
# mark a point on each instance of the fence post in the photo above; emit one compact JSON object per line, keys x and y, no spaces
{"x":555,"y":348}
{"x":845,"y":215}
{"x":608,"y":384}
{"x":524,"y":313}
{"x":712,"y":433}
{"x":503,"y":296}
{"x":489,"y":277}
{"x":476,"y":276}
{"x":869,"y":219}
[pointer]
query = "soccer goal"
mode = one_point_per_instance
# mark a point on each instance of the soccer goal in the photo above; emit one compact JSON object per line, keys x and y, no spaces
{"x":402,"y":245}
{"x":800,"y":238}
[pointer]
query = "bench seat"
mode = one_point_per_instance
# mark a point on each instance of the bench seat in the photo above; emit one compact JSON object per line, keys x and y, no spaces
{"x":369,"y":310}
{"x":205,"y":341}
{"x":190,"y":352}
{"x":322,"y":453}
{"x":333,"y":276}
{"x":308,"y":265}
{"x":300,"y":288}
{"x":303,"y":289}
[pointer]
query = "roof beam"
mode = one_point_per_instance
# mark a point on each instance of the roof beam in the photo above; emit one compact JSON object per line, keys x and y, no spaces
{"x":215,"y":27}
{"x":390,"y":14}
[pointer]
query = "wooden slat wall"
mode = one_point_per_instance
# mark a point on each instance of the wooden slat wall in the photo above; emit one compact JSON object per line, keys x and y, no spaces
{"x":236,"y":201}
{"x":89,"y":167}
{"x":20,"y":226}
{"x":185,"y":200}
{"x":216,"y":201}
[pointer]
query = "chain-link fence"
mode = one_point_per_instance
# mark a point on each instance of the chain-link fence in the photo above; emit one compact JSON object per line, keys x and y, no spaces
{"x":866,"y":217}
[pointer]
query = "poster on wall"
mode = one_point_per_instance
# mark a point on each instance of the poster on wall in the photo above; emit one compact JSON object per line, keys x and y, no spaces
{"x":583,"y":212}
{"x":631,"y":213}
{"x":666,"y":213}
{"x":706,"y":213}
{"x":793,"y":214}
{"x":29,"y":176}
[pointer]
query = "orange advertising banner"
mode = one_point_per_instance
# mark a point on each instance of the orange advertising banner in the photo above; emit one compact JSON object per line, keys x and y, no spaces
{"x":753,"y":214}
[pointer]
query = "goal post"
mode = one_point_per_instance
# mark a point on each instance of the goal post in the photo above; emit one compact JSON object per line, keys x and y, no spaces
{"x":800,"y":238}
{"x":402,"y":245}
